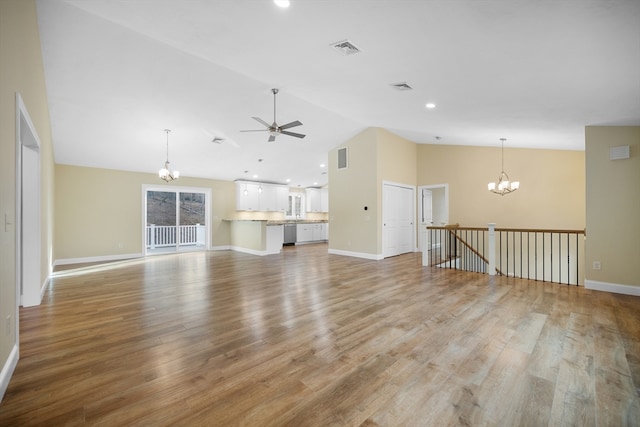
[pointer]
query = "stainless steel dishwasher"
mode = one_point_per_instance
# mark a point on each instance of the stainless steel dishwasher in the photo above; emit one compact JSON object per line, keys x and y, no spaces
{"x":290,"y":234}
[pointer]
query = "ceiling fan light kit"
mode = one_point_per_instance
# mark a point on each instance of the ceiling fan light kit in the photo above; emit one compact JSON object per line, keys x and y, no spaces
{"x":504,"y":184}
{"x":274,"y":129}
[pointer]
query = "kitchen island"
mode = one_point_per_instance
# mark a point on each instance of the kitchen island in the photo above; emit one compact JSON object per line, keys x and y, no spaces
{"x":266,"y":237}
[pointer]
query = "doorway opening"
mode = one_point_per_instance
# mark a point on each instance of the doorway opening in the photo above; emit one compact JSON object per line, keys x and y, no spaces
{"x":176,"y":219}
{"x":433,"y":210}
{"x":29,"y":287}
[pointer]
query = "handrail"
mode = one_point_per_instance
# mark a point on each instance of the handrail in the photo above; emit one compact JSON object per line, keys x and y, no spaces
{"x":527,"y":230}
{"x":465,"y":244}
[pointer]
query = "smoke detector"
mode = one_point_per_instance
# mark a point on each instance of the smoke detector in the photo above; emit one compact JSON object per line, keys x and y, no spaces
{"x":345,"y":47}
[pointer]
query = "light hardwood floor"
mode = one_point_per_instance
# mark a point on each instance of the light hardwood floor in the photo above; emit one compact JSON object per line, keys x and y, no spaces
{"x":310,"y":339}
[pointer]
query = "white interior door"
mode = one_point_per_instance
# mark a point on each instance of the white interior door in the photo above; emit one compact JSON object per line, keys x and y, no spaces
{"x":398,"y":220}
{"x":427,"y":207}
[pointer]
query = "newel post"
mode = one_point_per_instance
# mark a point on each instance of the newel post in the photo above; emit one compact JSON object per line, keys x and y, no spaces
{"x":425,"y":247}
{"x":492,"y":249}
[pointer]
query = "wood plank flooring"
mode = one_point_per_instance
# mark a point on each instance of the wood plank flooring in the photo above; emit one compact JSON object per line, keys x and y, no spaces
{"x":305,"y":338}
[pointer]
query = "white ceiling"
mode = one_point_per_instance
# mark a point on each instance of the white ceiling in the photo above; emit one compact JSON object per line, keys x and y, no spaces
{"x":535,"y":72}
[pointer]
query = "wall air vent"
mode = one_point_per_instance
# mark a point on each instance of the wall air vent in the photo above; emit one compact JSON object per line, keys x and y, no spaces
{"x":342,"y":158}
{"x":345,"y":47}
{"x":619,"y":153}
{"x":401,"y":86}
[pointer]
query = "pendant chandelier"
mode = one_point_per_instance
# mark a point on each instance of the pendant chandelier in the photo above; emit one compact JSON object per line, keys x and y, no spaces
{"x":504,"y":185}
{"x":165,"y":173}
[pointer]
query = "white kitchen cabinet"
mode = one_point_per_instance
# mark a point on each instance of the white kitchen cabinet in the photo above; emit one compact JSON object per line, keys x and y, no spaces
{"x":312,"y":232}
{"x":317,"y":199}
{"x":324,"y":199}
{"x":282,"y":197}
{"x":313,"y":199}
{"x":256,"y":196}
{"x":268,"y":198}
{"x":247,"y":196}
{"x":304,"y":233}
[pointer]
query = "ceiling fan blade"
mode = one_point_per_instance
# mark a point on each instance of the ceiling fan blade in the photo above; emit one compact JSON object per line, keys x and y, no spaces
{"x":290,"y":125}
{"x":297,"y":135}
{"x":272,"y":138}
{"x":255,"y":130}
{"x":258,"y":119}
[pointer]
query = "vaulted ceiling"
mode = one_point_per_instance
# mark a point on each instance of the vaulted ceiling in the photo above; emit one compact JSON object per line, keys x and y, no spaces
{"x":535,"y":72}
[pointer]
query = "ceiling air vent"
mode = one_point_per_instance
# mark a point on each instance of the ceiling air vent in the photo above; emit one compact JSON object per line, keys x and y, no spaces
{"x":345,"y":47}
{"x":401,"y":86}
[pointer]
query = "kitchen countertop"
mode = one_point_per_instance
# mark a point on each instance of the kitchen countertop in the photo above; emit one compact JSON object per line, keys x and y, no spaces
{"x":283,"y":221}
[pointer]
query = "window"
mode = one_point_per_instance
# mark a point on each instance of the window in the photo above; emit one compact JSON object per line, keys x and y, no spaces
{"x":295,"y":206}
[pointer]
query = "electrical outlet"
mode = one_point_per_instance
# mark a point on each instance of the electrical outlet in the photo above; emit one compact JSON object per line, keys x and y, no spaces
{"x":596,"y":265}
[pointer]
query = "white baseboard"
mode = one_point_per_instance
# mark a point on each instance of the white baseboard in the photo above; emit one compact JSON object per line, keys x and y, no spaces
{"x":220,"y":248}
{"x":7,"y":370}
{"x":375,"y":257}
{"x":612,"y":287}
{"x":104,"y":258}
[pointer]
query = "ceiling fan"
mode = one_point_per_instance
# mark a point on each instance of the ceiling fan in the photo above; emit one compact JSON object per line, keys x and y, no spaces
{"x":275,"y":129}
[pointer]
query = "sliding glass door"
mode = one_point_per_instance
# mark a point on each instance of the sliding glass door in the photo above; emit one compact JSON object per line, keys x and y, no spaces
{"x":175,"y":219}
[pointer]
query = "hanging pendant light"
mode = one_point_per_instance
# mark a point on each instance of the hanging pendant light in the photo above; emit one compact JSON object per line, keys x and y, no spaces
{"x":504,"y":184}
{"x":165,"y":173}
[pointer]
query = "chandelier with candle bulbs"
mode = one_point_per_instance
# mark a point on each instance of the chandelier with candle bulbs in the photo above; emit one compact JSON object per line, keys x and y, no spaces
{"x":504,"y":184}
{"x":166,"y":174}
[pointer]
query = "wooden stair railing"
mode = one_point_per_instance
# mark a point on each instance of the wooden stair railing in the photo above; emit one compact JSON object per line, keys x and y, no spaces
{"x":538,"y":254}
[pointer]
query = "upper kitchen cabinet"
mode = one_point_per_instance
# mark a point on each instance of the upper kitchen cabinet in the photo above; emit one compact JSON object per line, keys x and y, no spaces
{"x":317,"y":199}
{"x":257,"y":196}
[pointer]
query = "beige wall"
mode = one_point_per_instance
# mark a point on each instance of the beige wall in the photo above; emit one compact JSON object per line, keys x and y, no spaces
{"x":351,"y":228}
{"x":250,"y":235}
{"x":374,"y":156}
{"x":613,"y":206}
{"x":551,"y":194}
{"x":21,"y":71}
{"x":99,"y":211}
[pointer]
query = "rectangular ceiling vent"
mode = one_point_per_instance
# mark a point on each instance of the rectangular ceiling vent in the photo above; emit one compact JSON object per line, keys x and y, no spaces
{"x":619,"y":153}
{"x":345,"y":47}
{"x":401,"y":86}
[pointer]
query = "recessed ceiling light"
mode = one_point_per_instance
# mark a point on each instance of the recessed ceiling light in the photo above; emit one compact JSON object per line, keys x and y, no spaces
{"x":322,"y":165}
{"x":282,"y":3}
{"x":430,"y":105}
{"x":288,"y":180}
{"x":315,"y":183}
{"x":255,"y":176}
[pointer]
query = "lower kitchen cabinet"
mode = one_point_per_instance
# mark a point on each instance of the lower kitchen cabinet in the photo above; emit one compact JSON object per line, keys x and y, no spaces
{"x":312,"y":232}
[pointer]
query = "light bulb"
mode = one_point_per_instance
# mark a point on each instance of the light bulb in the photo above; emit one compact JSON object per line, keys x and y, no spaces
{"x":282,"y":3}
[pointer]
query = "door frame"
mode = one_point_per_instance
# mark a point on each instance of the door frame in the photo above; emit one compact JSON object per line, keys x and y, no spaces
{"x":423,"y":235}
{"x":413,"y":212}
{"x":207,"y":212}
{"x":27,"y":238}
